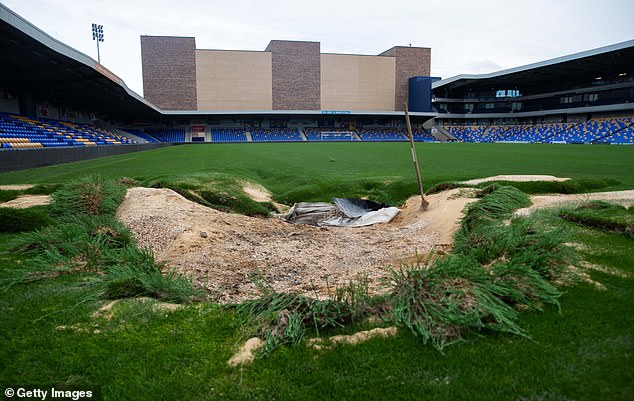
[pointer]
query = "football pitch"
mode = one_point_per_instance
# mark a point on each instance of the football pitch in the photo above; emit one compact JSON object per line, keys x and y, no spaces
{"x":578,"y":350}
{"x":296,"y":172}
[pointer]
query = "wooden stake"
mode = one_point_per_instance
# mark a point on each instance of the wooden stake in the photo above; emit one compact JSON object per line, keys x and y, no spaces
{"x":423,"y":202}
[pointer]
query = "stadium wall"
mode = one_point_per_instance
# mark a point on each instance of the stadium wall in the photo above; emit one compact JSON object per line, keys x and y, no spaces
{"x":169,"y":71}
{"x":21,"y":159}
{"x":355,"y":82}
{"x":410,"y":62}
{"x":288,"y":75}
{"x":233,"y":80}
{"x":296,"y":75}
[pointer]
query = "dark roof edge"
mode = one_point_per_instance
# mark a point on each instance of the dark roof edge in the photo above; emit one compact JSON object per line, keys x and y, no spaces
{"x":545,"y":63}
{"x":24,"y":26}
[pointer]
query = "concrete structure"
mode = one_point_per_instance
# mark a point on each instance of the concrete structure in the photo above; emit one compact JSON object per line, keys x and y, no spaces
{"x":288,"y":75}
{"x":567,"y":88}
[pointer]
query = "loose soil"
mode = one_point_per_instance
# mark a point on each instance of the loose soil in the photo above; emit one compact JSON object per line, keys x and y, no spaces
{"x":17,"y":187}
{"x":233,"y":256}
{"x":625,"y":198}
{"x":516,"y":178}
{"x":25,"y":201}
{"x":353,"y":339}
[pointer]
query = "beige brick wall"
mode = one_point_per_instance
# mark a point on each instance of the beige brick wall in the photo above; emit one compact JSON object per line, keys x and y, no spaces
{"x":233,"y":80}
{"x":353,"y":82}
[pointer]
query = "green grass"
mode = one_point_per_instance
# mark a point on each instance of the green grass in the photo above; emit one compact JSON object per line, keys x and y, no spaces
{"x":20,"y":220}
{"x":572,"y":186}
{"x":220,"y":191}
{"x":580,"y":351}
{"x":604,"y":216}
{"x":316,"y":172}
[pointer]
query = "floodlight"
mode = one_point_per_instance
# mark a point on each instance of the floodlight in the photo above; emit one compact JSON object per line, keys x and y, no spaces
{"x":97,"y":34}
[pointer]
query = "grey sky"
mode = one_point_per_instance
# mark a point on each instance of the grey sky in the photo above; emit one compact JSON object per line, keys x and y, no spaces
{"x":466,"y":37}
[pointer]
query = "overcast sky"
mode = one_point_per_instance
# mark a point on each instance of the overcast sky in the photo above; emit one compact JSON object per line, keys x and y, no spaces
{"x":466,"y":37}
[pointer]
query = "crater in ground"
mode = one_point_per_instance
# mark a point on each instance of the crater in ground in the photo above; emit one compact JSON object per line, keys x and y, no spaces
{"x":232,"y":256}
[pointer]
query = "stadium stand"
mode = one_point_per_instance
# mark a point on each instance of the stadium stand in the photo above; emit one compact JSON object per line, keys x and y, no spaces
{"x":601,"y":130}
{"x":382,"y":135}
{"x":468,"y":133}
{"x":173,"y":135}
{"x":19,"y":132}
{"x":142,"y":134}
{"x":623,"y":137}
{"x":276,"y":135}
{"x":316,"y":134}
{"x":421,"y":135}
{"x":228,"y":135}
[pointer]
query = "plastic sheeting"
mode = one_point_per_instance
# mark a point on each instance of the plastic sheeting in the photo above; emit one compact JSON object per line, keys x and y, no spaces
{"x":343,"y":213}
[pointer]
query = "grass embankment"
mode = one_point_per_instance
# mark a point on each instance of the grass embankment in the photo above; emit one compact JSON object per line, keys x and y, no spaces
{"x":219,"y":191}
{"x":85,"y":238}
{"x":573,"y":186}
{"x":604,"y":216}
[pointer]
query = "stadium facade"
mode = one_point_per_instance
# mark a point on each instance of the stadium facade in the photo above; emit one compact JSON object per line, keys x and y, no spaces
{"x":287,"y":75}
{"x":591,"y":82}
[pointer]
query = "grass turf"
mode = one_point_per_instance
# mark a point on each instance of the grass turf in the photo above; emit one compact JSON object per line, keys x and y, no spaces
{"x":582,"y":353}
{"x":296,"y":172}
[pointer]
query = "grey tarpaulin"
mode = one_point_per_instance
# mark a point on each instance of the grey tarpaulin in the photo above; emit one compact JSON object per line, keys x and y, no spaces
{"x":343,"y":213}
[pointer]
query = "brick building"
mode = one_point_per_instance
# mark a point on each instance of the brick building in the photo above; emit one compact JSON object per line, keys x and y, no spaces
{"x":287,"y":75}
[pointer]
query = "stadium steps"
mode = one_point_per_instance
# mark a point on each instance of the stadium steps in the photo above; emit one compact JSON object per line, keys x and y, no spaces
{"x":442,"y":134}
{"x":561,"y":132}
{"x":625,"y":128}
{"x":120,"y":132}
{"x":487,"y":133}
{"x":249,"y":136}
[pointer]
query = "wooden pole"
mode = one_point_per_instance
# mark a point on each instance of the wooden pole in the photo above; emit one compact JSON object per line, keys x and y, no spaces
{"x":423,"y":202}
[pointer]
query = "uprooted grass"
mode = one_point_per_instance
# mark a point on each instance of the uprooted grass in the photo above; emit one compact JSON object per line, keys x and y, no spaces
{"x":497,"y":266}
{"x":284,"y":318}
{"x":603,"y":216}
{"x":88,"y":239}
{"x":219,"y":191}
{"x":40,"y":189}
{"x":90,"y":195}
{"x":573,"y":186}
